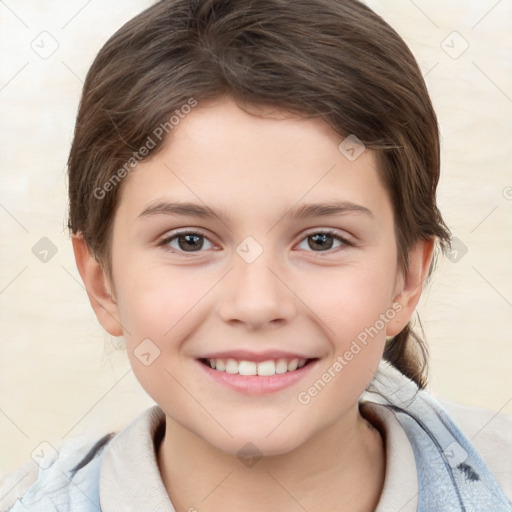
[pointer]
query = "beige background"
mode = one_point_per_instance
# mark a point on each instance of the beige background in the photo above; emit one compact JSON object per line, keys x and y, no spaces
{"x":61,"y":376}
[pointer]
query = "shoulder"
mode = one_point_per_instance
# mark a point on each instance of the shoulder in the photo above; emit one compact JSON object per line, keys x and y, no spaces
{"x":16,"y":483}
{"x":484,"y":435}
{"x":490,"y":432}
{"x":68,"y":478}
{"x":52,"y":472}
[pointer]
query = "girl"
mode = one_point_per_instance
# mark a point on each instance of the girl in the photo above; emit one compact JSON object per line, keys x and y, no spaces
{"x":252,"y":195}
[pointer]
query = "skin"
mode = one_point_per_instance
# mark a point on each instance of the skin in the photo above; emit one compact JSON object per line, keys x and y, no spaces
{"x":295,"y":296}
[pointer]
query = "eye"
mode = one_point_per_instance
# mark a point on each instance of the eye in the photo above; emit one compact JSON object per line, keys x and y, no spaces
{"x":190,"y":241}
{"x":186,"y":241}
{"x":324,"y":240}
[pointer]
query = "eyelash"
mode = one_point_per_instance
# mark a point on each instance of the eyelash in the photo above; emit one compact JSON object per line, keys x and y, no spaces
{"x":164,"y":243}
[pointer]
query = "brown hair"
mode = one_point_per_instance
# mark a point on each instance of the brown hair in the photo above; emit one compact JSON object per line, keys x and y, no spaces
{"x":334,"y":59}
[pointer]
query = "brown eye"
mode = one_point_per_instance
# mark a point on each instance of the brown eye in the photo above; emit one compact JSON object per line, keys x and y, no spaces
{"x":324,"y":241}
{"x":190,"y":242}
{"x":185,"y":242}
{"x":320,"y":241}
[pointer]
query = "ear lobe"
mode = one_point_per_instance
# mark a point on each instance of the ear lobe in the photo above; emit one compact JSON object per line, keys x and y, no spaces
{"x":97,"y":286}
{"x":420,"y":258}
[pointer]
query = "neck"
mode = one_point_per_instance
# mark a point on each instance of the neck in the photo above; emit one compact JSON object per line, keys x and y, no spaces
{"x":341,"y":468}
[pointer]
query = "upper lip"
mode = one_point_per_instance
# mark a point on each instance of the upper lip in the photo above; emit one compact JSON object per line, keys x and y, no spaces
{"x":246,"y":355}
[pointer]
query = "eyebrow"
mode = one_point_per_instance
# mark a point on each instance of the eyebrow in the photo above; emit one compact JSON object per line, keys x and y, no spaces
{"x":302,"y":212}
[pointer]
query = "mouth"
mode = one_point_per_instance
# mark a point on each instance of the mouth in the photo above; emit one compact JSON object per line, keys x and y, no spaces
{"x":265,"y":368}
{"x":256,"y":374}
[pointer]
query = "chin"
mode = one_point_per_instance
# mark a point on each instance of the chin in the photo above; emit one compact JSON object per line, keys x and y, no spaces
{"x":258,"y":441}
{"x":251,"y":449}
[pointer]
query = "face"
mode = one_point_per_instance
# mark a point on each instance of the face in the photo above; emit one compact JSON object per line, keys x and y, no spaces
{"x":248,"y":277}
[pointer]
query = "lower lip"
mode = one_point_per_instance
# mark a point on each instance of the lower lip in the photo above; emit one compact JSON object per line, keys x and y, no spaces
{"x":257,"y":384}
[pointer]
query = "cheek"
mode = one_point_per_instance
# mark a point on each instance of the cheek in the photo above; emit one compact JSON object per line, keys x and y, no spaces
{"x":352,"y":298}
{"x":355,"y":311}
{"x":156,"y":308}
{"x":355,"y":308}
{"x":159,"y":302}
{"x":153,"y":302}
{"x":160,"y":309}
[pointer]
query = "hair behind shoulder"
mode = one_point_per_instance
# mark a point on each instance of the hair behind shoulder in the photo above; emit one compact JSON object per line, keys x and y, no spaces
{"x":93,"y":452}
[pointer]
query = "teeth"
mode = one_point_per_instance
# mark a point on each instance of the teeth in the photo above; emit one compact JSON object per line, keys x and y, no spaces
{"x":264,"y":368}
{"x":292,"y":365}
{"x":281,"y":366}
{"x":247,"y":368}
{"x":231,"y":366}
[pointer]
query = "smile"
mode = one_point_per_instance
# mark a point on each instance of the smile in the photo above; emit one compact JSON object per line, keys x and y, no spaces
{"x":262,"y":368}
{"x":256,"y":377}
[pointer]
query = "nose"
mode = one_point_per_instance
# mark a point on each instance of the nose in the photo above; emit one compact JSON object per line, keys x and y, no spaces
{"x":256,"y":294}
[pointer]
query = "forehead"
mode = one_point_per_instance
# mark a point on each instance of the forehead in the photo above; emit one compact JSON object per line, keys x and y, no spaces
{"x":260,"y":160}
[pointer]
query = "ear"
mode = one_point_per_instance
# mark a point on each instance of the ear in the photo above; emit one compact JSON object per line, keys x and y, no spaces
{"x":410,"y":285}
{"x":97,"y":286}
